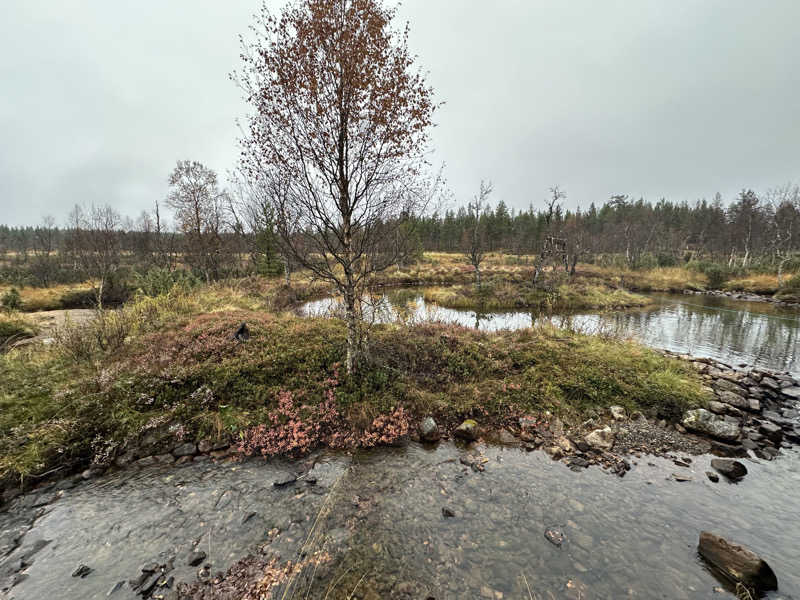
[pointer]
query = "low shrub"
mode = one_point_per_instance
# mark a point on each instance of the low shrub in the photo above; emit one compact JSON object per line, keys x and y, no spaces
{"x":11,"y":300}
{"x":160,"y":281}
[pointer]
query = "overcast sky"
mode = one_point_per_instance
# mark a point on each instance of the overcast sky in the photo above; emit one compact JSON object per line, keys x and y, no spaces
{"x":676,"y":99}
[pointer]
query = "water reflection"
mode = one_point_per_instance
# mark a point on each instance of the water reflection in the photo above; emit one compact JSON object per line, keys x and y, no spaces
{"x":719,"y":328}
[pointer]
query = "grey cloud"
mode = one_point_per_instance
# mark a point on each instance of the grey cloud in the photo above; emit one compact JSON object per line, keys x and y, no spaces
{"x":679,"y":99}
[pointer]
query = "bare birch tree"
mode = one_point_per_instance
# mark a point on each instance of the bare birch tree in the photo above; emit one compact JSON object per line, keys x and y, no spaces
{"x":338,"y":136}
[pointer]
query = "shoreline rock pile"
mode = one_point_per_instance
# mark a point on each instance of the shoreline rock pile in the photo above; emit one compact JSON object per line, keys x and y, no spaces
{"x":755,"y":410}
{"x":744,"y":296}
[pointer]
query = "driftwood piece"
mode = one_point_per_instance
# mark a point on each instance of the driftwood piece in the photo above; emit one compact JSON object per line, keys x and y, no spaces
{"x":736,"y":562}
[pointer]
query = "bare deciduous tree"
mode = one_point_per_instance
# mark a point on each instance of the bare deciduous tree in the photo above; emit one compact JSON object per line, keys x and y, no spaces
{"x":338,"y":137}
{"x":200,"y":208}
{"x":94,"y":240}
{"x":475,"y":237}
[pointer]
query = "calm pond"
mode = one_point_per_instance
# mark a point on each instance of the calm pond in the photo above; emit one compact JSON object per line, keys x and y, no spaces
{"x":755,"y":333}
{"x":378,"y":514}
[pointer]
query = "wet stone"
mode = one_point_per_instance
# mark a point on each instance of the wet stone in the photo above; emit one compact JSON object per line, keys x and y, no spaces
{"x":732,"y":469}
{"x":115,"y":588}
{"x":185,"y":449}
{"x":555,"y":536}
{"x":82,"y":571}
{"x":195,"y":558}
{"x":284,"y":479}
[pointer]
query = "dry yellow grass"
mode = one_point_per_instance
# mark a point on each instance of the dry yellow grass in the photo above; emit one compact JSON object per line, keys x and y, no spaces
{"x":35,"y":298}
{"x":764,"y":283}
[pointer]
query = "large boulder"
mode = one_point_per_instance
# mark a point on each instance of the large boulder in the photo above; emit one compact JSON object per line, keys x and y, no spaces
{"x":601,"y":439}
{"x":700,"y":420}
{"x":468,"y":430}
{"x":736,"y":562}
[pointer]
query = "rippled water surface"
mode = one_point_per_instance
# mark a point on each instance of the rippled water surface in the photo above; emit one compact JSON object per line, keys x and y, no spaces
{"x":733,"y":331}
{"x":382,"y":525}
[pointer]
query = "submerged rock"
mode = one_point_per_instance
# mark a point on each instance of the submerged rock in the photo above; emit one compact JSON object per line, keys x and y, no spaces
{"x":701,"y":421}
{"x":554,"y":536}
{"x":82,"y":571}
{"x":284,"y":479}
{"x":429,"y":430}
{"x":732,"y":469}
{"x":601,"y":439}
{"x":736,"y":562}
{"x":468,"y":430}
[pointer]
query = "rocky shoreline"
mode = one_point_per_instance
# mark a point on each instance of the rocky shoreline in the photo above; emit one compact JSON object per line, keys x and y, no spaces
{"x":744,"y":296}
{"x":755,"y":413}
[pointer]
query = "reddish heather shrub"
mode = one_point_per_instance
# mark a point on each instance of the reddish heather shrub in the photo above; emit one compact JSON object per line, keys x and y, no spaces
{"x":386,"y":429}
{"x":292,"y":429}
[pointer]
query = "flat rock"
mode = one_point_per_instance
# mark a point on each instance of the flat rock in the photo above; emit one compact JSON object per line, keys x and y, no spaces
{"x":737,"y":563}
{"x":718,"y":408}
{"x":728,"y":386}
{"x":723,"y":449}
{"x":792,"y":391}
{"x":739,"y":401}
{"x":702,"y":421}
{"x":195,"y":558}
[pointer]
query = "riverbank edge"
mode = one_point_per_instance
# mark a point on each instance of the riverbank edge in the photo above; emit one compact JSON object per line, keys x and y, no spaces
{"x":743,"y":297}
{"x":754,"y":411}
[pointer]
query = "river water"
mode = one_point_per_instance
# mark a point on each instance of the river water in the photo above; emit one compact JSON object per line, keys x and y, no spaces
{"x":733,"y":331}
{"x":377,"y":516}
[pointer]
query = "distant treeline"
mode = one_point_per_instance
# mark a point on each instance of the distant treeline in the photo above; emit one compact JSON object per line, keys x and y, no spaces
{"x":750,"y":228}
{"x":751,"y":231}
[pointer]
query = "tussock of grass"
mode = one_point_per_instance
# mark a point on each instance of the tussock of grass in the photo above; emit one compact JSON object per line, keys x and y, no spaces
{"x":14,"y":326}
